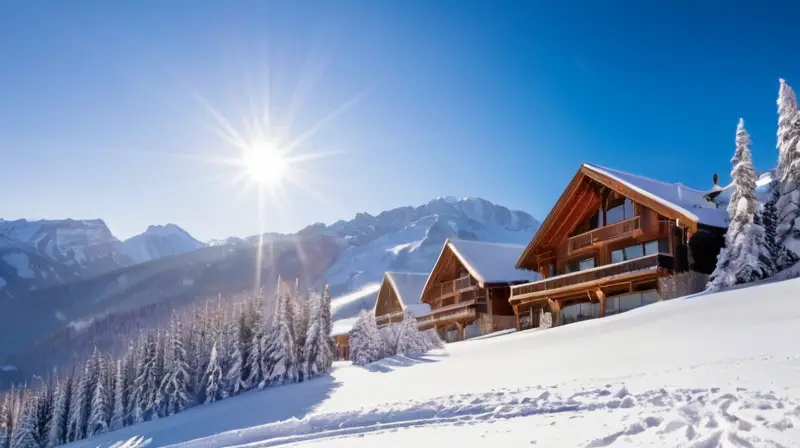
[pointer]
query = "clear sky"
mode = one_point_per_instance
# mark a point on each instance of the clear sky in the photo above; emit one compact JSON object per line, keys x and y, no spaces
{"x":105,"y":106}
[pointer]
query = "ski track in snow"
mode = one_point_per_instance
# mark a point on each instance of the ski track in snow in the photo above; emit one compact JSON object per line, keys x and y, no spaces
{"x":698,"y":418}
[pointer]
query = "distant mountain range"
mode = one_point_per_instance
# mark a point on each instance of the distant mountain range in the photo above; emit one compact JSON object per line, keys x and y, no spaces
{"x":59,"y":273}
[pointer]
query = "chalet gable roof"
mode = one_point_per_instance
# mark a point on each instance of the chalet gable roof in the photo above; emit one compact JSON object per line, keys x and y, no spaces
{"x":673,"y":200}
{"x":408,"y":288}
{"x":488,"y":263}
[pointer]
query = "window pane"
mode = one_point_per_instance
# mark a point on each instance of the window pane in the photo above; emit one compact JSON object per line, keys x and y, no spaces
{"x":651,"y":248}
{"x":632,"y":252}
{"x":612,"y":306}
{"x":649,"y":297}
{"x":629,"y":302}
{"x":663,"y":246}
{"x":615,"y":214}
{"x":587,"y":263}
{"x":628,"y":208}
{"x":617,"y":256}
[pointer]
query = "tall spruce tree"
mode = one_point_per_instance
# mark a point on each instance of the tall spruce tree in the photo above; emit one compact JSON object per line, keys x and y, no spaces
{"x":100,"y":410}
{"x":118,"y":413}
{"x":788,"y":204}
{"x":214,"y":379}
{"x":176,"y":380}
{"x":317,"y":355}
{"x":410,"y":341}
{"x":281,"y":351}
{"x":233,"y":374}
{"x":44,"y":415}
{"x":746,"y":256}
{"x":146,"y":384}
{"x":61,"y":408}
{"x":23,"y":433}
{"x":5,"y":421}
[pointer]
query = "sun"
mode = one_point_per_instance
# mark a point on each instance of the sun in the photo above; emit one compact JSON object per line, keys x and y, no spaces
{"x":264,"y":162}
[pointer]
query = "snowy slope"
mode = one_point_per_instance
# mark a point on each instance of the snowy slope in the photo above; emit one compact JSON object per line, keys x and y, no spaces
{"x":708,"y":371}
{"x":159,"y":242}
{"x":23,"y":269}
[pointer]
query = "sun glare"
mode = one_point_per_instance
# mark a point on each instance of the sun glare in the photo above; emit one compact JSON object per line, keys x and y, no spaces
{"x":265,"y":164}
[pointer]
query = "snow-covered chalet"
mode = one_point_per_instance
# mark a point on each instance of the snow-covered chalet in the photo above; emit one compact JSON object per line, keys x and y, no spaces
{"x":469,"y":287}
{"x":609,"y":239}
{"x":398,"y":294}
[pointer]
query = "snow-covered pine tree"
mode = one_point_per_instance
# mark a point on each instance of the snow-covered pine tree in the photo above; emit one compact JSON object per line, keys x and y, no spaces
{"x":317,"y":355}
{"x":257,"y":348}
{"x":22,"y":435}
{"x":120,"y":398}
{"x":745,"y":257}
{"x":214,"y":380}
{"x":410,"y":340}
{"x":82,"y":400}
{"x":61,"y":407}
{"x":44,"y":416}
{"x":5,"y":421}
{"x":366,"y":344}
{"x":281,"y":351}
{"x":176,"y":380}
{"x":146,"y":383}
{"x":101,"y":410}
{"x":327,"y":319}
{"x":788,"y":205}
{"x":302,"y":316}
{"x":233,"y":374}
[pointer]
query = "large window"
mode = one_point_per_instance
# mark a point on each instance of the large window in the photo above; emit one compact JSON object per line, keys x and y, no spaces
{"x":619,"y":210}
{"x":627,"y":302}
{"x":580,"y":265}
{"x":640,"y":250}
{"x":579,"y":312}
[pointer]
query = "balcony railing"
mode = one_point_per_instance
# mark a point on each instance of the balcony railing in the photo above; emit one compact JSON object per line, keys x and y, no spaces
{"x":451,"y":314}
{"x":607,"y":233}
{"x":648,"y":262}
{"x":453,"y":287}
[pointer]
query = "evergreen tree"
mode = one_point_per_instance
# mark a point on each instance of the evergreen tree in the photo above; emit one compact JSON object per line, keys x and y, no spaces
{"x":146,"y":384}
{"x":5,"y":433}
{"x":44,"y":416}
{"x":118,"y":412}
{"x":22,"y":435}
{"x":257,"y":349}
{"x":746,"y":256}
{"x":788,"y":205}
{"x":281,"y":352}
{"x":233,"y":346}
{"x":61,"y":408}
{"x":175,"y":385}
{"x":327,"y":320}
{"x":213,"y":378}
{"x":317,"y":355}
{"x":100,"y":410}
{"x":366,"y":344}
{"x":410,"y":340}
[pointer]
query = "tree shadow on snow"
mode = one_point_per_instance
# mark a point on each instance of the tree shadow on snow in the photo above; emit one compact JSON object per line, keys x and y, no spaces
{"x":252,"y":408}
{"x":387,"y":365}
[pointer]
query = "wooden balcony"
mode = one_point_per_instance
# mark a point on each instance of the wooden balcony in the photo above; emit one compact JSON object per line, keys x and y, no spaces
{"x":448,"y":314}
{"x":390,"y":318}
{"x":454,"y":287}
{"x":543,"y":288}
{"x":621,"y":229}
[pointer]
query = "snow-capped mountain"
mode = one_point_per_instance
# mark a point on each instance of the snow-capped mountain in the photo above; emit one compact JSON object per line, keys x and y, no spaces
{"x":410,"y":238}
{"x":79,"y":247}
{"x":158,"y":242}
{"x":23,"y":269}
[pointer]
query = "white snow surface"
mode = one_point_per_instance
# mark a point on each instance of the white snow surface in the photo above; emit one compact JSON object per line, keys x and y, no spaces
{"x":676,"y":196}
{"x":704,"y":371}
{"x":492,"y":262}
{"x":21,"y":263}
{"x":408,"y":286}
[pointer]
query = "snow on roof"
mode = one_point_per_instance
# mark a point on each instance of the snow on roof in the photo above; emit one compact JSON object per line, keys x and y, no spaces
{"x":492,"y":262}
{"x":409,"y":286}
{"x":687,"y":201}
{"x":343,"y":326}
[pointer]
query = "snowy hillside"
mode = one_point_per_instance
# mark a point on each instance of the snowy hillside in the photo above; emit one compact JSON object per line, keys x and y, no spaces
{"x":713,"y":370}
{"x":158,"y":242}
{"x":409,"y":239}
{"x":23,"y":269}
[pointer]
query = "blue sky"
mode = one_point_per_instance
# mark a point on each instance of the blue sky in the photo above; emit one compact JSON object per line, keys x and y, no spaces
{"x":100,"y":105}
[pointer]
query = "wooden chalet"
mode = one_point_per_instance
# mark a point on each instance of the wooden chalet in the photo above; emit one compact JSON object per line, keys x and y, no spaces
{"x":608,"y":240}
{"x":469,"y":288}
{"x":399,"y":293}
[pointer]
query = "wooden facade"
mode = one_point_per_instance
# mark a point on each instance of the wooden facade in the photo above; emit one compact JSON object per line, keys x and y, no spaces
{"x":390,"y":303}
{"x":462,"y":303}
{"x":603,"y":239}
{"x":342,"y":344}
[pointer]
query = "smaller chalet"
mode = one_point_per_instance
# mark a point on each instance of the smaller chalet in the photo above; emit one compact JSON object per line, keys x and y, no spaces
{"x":609,"y":239}
{"x":469,"y":288}
{"x":400,"y":292}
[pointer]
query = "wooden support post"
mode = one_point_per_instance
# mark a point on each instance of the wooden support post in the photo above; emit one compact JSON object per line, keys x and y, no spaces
{"x":489,"y":310}
{"x":601,"y":296}
{"x":516,"y":317}
{"x":461,"y":332}
{"x":555,"y":312}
